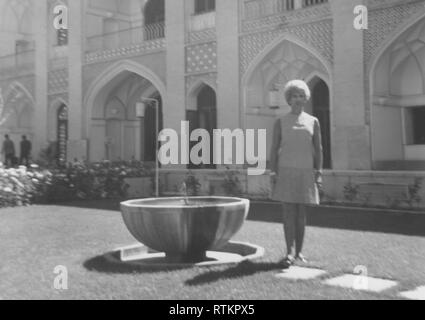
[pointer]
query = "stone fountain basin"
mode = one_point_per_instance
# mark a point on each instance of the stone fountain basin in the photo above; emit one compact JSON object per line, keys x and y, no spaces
{"x":185,"y":230}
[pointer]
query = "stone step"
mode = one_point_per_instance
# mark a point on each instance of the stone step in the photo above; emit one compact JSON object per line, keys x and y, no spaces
{"x":416,"y":294}
{"x":299,"y":273}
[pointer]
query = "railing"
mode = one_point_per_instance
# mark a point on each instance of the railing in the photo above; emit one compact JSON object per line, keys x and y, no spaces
{"x":16,"y":62}
{"x":254,"y":9}
{"x":125,"y":38}
{"x":201,"y":22}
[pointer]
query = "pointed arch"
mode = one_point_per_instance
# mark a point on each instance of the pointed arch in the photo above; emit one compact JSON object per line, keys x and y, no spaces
{"x":109,"y":75}
{"x":202,"y":114}
{"x":18,"y":113}
{"x":260,"y":58}
{"x":390,"y":41}
{"x":273,"y":45}
{"x":54,"y":107}
{"x":319,"y":75}
{"x":20,"y":13}
{"x":320,"y":107}
{"x":16,"y":84}
{"x":194,"y":90}
{"x":154,"y":11}
{"x":396,"y":89}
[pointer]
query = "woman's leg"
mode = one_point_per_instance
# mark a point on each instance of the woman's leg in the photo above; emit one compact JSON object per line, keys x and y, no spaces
{"x":289,"y":212}
{"x":300,"y":222}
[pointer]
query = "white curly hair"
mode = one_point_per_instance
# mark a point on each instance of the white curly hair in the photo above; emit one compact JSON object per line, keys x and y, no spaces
{"x":296,"y":85}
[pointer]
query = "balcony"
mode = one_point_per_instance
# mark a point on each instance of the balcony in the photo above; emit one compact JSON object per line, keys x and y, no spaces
{"x":125,"y":41}
{"x":257,"y":9}
{"x":17,"y":64}
{"x":125,"y":38}
{"x":201,"y":27}
{"x":199,"y":22}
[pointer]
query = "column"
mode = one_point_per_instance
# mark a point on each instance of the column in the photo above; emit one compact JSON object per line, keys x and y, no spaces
{"x":174,"y":102}
{"x":41,"y":74}
{"x":229,"y":112}
{"x":351,"y":138}
{"x":175,"y":99}
{"x":77,"y":147}
{"x":228,"y":104}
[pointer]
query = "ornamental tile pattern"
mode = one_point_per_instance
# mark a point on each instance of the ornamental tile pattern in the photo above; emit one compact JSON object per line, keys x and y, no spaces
{"x":135,"y":49}
{"x":208,"y":78}
{"x":54,"y":97}
{"x":58,"y":81}
{"x":202,"y":35}
{"x":305,"y":15}
{"x":201,"y":57}
{"x":27,"y":81}
{"x":384,"y":21}
{"x":318,"y":35}
{"x":373,"y":4}
{"x":385,"y":17}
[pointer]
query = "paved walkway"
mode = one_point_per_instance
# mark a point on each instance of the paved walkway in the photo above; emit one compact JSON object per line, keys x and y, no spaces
{"x":359,"y":281}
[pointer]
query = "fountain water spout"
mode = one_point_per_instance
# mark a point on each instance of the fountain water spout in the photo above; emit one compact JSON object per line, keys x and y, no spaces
{"x":183,"y":191}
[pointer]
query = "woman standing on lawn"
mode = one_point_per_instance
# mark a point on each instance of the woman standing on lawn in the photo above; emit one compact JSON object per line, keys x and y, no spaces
{"x":296,"y":161}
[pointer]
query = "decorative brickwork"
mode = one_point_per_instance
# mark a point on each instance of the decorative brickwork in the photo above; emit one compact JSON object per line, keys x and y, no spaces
{"x":383,"y":22}
{"x":202,"y":36}
{"x":319,"y":35}
{"x":385,"y":17}
{"x":58,"y":81}
{"x":209,"y":78}
{"x":201,"y":58}
{"x":58,"y":96}
{"x":27,"y":82}
{"x":292,"y":17}
{"x":135,"y":49}
{"x":374,"y":4}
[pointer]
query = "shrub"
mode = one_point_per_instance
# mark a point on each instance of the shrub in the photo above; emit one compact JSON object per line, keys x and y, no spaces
{"x":22,"y":186}
{"x":231,"y":184}
{"x":83,"y":181}
{"x":77,"y":181}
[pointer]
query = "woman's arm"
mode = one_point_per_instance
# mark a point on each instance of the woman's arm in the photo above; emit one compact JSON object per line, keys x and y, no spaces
{"x":318,"y":149}
{"x":274,"y":154}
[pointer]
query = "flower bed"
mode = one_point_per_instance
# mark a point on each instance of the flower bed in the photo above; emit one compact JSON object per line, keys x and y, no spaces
{"x":78,"y":181}
{"x":22,"y":186}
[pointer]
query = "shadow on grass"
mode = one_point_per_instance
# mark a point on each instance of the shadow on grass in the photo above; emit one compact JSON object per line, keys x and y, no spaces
{"x":243,"y":269}
{"x":110,"y":263}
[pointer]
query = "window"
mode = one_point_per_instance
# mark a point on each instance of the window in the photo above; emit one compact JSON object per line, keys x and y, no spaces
{"x":205,"y":117}
{"x":203,"y":6}
{"x":415,"y":126}
{"x":308,"y":3}
{"x":62,"y":37}
{"x":154,"y":13}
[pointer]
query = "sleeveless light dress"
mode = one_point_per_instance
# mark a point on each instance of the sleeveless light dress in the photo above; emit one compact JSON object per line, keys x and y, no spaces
{"x":295,"y":181}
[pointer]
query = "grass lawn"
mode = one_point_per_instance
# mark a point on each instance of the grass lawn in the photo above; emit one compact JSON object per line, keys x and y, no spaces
{"x":36,"y":239}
